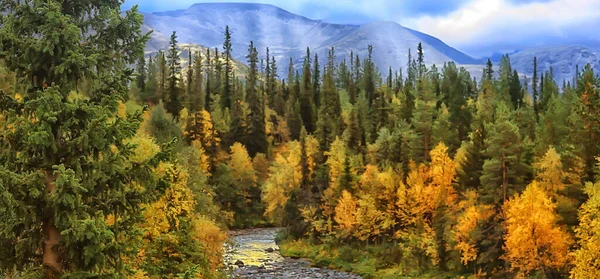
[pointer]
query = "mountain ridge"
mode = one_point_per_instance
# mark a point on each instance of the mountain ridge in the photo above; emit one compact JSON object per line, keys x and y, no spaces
{"x":288,"y":35}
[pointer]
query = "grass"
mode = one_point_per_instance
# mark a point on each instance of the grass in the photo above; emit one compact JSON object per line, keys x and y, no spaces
{"x":377,"y":261}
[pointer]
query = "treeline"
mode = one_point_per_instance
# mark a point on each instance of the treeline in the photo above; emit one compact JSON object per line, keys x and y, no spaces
{"x":490,"y":177}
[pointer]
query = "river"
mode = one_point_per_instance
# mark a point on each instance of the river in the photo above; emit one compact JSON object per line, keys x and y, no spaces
{"x":254,"y":254}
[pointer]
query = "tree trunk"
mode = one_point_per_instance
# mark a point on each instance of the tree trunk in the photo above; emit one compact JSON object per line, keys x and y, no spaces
{"x":51,"y":235}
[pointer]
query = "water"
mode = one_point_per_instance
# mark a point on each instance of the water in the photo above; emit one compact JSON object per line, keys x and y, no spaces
{"x":254,"y":254}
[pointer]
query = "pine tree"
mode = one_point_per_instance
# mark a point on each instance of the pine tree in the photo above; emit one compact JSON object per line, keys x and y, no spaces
{"x":257,"y":137}
{"x":226,"y":99}
{"x":66,"y":164}
{"x":502,"y":173}
{"x":173,"y":104}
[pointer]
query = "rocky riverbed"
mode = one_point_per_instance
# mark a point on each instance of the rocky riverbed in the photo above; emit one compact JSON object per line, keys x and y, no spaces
{"x":254,"y":254}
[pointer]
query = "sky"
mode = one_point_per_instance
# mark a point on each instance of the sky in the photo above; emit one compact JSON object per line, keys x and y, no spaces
{"x":476,"y":27}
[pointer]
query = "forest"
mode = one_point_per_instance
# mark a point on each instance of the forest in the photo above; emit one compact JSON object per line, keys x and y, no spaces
{"x":115,"y":163}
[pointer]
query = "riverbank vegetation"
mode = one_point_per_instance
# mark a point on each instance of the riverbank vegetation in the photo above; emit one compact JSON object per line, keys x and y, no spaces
{"x":107,"y":171}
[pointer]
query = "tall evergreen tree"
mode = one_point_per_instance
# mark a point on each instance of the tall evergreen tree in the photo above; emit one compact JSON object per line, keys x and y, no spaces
{"x":534,"y":89}
{"x":316,"y":83}
{"x":208,"y":99}
{"x":142,"y":73}
{"x":369,"y":76}
{"x":197,"y":93}
{"x":226,"y":99}
{"x":151,"y":83}
{"x":306,"y":95}
{"x":60,"y":177}
{"x":256,"y":137}
{"x":421,"y":68}
{"x":489,"y":70}
{"x":189,"y":88}
{"x":173,"y":104}
{"x":162,"y":79}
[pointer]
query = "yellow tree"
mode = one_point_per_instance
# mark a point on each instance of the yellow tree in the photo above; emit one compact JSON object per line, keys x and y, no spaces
{"x":242,"y":170}
{"x":467,"y":224}
{"x":345,"y":215}
{"x":587,"y":257}
{"x":533,"y":241}
{"x":549,"y":172}
{"x":368,"y":218}
{"x":285,"y":177}
{"x":336,"y":159}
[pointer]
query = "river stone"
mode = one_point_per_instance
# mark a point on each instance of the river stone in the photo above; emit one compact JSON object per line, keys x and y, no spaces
{"x":253,"y":252}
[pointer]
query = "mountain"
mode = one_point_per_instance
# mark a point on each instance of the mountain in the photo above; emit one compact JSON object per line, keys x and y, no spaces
{"x":562,"y":59}
{"x":287,"y":35}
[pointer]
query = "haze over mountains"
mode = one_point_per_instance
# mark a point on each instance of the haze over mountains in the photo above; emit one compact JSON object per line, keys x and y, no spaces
{"x":288,"y":35}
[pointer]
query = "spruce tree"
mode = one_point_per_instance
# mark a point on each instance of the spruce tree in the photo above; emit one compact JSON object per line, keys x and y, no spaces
{"x":150,"y":95}
{"x":369,"y":76}
{"x":65,"y":163}
{"x":197,"y":94}
{"x":489,"y":70}
{"x":272,"y":87}
{"x":208,"y":99}
{"x":421,"y":68}
{"x":534,"y":88}
{"x":173,"y":104}
{"x":316,"y":83}
{"x":306,"y":96}
{"x":256,"y":136}
{"x":189,"y":88}
{"x":162,"y":76}
{"x":141,"y":78}
{"x":226,"y":98}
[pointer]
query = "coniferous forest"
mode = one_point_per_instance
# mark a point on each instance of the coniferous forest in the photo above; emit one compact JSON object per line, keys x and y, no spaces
{"x":120,"y":164}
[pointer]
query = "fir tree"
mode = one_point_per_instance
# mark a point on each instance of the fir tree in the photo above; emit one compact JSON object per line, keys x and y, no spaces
{"x":306,"y":95}
{"x":173,"y":104}
{"x":257,"y":137}
{"x":141,"y":78}
{"x":226,"y":98}
{"x":67,"y":164}
{"x":489,"y":70}
{"x":150,"y":95}
{"x":534,"y":88}
{"x":316,"y":84}
{"x":208,"y":99}
{"x":369,"y":76}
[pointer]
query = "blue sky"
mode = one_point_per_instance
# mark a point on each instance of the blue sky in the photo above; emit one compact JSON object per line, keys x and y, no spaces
{"x":478,"y":27}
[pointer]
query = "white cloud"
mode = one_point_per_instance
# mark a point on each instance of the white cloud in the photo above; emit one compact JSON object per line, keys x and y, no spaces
{"x":482,"y":24}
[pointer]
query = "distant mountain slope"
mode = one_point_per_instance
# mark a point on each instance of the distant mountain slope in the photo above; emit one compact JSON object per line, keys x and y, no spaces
{"x":287,"y":35}
{"x":562,"y":59}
